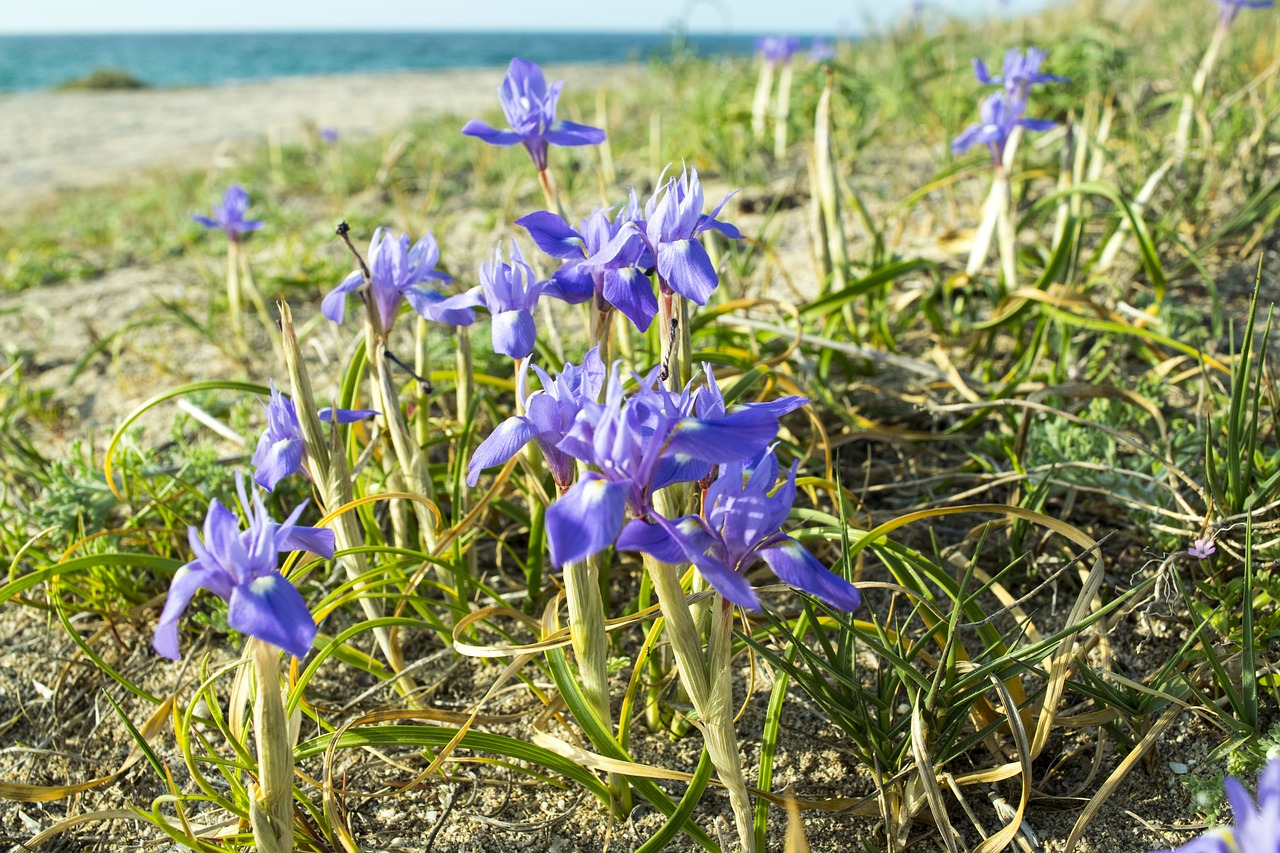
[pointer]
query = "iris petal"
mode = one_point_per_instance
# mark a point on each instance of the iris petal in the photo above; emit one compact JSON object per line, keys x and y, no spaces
{"x":491,"y":135}
{"x":553,"y":235}
{"x":586,"y":519}
{"x":501,"y":444}
{"x":739,"y":435}
{"x":686,"y":266}
{"x":271,"y":609}
{"x":631,"y":292}
{"x":451,"y":311}
{"x":793,"y":563}
{"x":514,"y":333}
{"x":335,"y":303}
{"x":281,"y":459}
{"x":188,"y":580}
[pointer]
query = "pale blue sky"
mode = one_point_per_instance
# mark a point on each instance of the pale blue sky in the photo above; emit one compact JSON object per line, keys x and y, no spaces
{"x":717,"y":16}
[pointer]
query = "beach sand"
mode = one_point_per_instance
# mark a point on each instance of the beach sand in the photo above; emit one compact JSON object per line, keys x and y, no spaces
{"x":70,"y":140}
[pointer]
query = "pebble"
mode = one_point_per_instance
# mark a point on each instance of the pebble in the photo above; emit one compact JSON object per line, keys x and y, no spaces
{"x":1178,"y":767}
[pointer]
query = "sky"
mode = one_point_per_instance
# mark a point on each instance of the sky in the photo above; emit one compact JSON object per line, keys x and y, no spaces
{"x":713,"y":16}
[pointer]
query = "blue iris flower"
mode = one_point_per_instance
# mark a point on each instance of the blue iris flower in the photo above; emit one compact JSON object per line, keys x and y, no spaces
{"x":241,"y":568}
{"x":280,"y":448}
{"x":530,"y":106}
{"x":229,"y":215}
{"x":741,"y":525}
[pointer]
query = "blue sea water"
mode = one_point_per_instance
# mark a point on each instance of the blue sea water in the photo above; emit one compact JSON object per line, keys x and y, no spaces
{"x":43,"y":61}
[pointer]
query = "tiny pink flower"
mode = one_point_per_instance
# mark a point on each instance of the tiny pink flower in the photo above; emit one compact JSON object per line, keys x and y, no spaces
{"x":1201,"y":549}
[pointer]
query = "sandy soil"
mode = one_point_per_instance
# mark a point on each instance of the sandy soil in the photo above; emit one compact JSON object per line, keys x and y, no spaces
{"x":67,"y":140}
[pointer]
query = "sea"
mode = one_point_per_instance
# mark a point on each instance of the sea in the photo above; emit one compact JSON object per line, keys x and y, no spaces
{"x":32,"y":62}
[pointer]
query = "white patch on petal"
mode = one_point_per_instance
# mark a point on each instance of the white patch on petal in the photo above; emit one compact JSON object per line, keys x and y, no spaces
{"x":264,"y":584}
{"x":594,"y":493}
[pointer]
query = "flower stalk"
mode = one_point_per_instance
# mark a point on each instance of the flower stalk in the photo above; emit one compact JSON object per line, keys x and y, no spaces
{"x":248,"y":285}
{"x":228,"y":216}
{"x":707,"y":678}
{"x":760,"y":103}
{"x":590,"y":641}
{"x":781,"y":110}
{"x":1191,"y":100}
{"x":996,"y":221}
{"x":271,"y":806}
{"x":422,"y":367}
{"x":413,"y":464}
{"x":332,"y":479}
{"x":233,"y":289}
{"x":836,"y":253}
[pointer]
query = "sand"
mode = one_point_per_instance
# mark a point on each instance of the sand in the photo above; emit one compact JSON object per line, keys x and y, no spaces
{"x":68,"y":140}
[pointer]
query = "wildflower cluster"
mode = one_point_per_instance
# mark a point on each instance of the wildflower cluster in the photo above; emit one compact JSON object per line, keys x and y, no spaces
{"x":615,"y":256}
{"x":621,"y":461}
{"x":639,"y":443}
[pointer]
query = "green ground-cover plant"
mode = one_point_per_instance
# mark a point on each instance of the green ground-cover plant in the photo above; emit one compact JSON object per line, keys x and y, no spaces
{"x":1078,"y":388}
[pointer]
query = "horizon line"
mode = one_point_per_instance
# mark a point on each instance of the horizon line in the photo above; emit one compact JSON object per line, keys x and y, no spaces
{"x":670,"y":32}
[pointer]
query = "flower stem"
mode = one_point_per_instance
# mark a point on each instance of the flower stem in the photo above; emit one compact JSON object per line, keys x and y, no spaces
{"x":327,"y":463}
{"x":997,"y":200}
{"x":833,"y":249}
{"x":591,"y":649}
{"x":1182,"y":140}
{"x":1006,"y":236}
{"x":674,"y":338}
{"x":760,"y":103}
{"x":271,"y":806}
{"x":549,"y":194}
{"x":601,"y":328}
{"x":706,"y":676}
{"x":422,"y":367}
{"x":248,"y":286}
{"x":233,"y":289}
{"x":781,"y":110}
{"x":717,"y":726}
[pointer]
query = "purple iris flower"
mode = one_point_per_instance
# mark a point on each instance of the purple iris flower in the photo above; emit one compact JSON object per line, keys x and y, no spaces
{"x":821,"y":50}
{"x":621,"y":281}
{"x":280,"y":448}
{"x":1228,"y":9}
{"x":1021,"y":72}
{"x":229,"y":215}
{"x":777,"y":49}
{"x":509,"y":292}
{"x":638,"y":445}
{"x":550,"y":414}
{"x":397,"y":271}
{"x":328,"y":135}
{"x":741,"y":524}
{"x":998,"y":119}
{"x":530,"y":106}
{"x":240,"y":567}
{"x":1257,"y":824}
{"x":673,"y":221}
{"x":708,"y":403}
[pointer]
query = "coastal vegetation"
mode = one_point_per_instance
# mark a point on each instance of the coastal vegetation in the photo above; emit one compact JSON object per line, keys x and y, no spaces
{"x":933,"y":503}
{"x":102,"y":80}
